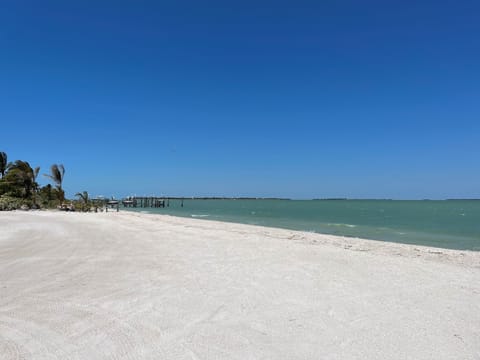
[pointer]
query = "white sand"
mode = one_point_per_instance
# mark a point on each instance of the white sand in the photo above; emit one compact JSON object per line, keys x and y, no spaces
{"x":136,"y":286}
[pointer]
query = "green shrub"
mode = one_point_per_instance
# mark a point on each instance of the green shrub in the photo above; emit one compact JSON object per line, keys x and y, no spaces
{"x":11,"y":203}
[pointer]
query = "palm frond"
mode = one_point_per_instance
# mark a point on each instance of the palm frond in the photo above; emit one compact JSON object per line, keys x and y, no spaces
{"x":35,"y":172}
{"x":57,"y":173}
{"x":83,"y":195}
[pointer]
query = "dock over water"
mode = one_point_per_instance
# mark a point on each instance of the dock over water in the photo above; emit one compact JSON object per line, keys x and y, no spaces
{"x":147,"y":201}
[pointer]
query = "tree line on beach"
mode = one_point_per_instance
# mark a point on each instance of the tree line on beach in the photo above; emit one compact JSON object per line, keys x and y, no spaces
{"x":19,"y":187}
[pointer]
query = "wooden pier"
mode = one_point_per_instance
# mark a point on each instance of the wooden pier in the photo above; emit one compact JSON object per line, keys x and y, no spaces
{"x":145,"y":202}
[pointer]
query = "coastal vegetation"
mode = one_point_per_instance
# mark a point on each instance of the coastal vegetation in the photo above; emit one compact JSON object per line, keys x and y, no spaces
{"x":19,"y":188}
{"x":57,"y":172}
{"x":84,"y":202}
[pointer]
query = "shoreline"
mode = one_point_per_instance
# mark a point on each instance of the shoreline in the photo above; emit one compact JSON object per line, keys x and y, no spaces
{"x":373,"y":246}
{"x":381,"y":247}
{"x":443,"y":225}
{"x":149,"y":286}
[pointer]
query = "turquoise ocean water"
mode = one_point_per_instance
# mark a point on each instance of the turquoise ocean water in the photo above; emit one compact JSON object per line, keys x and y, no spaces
{"x":453,"y":224}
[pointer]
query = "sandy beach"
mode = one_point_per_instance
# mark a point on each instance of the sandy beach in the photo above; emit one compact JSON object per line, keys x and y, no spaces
{"x":139,"y":286}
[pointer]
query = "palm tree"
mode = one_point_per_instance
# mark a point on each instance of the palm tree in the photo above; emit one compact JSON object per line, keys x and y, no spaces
{"x":35,"y":184}
{"x":84,"y":197}
{"x":57,"y":174}
{"x":3,"y":163}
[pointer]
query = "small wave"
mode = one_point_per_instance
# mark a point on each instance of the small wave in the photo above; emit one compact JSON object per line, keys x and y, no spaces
{"x":199,"y":215}
{"x":345,"y":225}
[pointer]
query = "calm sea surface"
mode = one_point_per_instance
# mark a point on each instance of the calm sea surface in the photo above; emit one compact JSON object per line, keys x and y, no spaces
{"x":453,"y":224}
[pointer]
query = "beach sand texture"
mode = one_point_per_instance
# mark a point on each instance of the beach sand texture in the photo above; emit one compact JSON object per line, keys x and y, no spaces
{"x":139,"y":286}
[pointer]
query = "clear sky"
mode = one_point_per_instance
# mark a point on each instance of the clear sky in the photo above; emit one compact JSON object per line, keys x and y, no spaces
{"x":299,"y":99}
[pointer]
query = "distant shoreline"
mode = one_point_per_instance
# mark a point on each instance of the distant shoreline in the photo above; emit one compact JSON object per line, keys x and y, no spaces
{"x":293,"y":199}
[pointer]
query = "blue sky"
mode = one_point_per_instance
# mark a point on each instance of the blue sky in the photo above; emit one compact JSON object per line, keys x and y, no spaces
{"x":245,"y":98}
